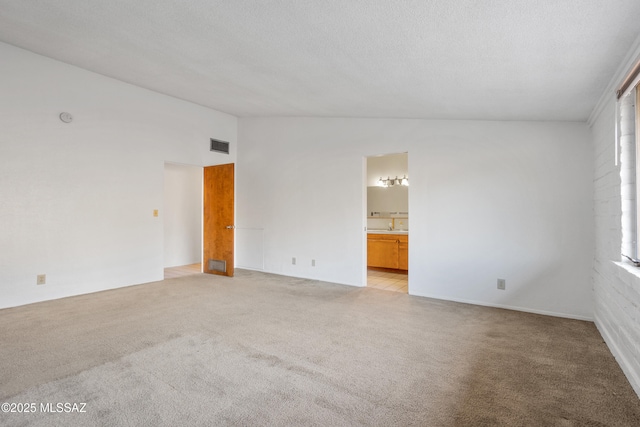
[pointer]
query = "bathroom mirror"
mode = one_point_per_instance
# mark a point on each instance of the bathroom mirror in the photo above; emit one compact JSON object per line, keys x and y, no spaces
{"x":388,"y":199}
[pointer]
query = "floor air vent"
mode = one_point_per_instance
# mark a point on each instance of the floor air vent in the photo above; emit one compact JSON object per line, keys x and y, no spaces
{"x":218,"y":265}
{"x":219,"y":146}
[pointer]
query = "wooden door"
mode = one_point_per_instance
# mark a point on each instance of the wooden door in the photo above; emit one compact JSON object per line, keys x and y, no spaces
{"x":218,"y":220}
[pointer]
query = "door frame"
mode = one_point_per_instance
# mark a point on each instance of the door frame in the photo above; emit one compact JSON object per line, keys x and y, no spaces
{"x":365,"y":210}
{"x":164,"y":207}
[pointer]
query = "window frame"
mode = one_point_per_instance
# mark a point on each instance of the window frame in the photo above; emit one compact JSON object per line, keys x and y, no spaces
{"x":628,"y":143}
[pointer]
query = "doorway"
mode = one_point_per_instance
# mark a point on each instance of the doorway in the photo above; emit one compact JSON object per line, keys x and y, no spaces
{"x":182,"y":220}
{"x":199,"y":230}
{"x":387,"y":217}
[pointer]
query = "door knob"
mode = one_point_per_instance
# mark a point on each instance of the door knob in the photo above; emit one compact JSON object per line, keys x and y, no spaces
{"x":230,"y":227}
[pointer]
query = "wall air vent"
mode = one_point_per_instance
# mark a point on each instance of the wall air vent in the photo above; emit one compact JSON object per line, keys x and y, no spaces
{"x":218,"y":265}
{"x":219,"y":146}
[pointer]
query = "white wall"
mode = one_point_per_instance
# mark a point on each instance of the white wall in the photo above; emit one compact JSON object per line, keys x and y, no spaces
{"x":182,"y":215}
{"x":616,"y":286}
{"x":78,"y":198}
{"x":488,"y":200}
{"x":386,"y":166}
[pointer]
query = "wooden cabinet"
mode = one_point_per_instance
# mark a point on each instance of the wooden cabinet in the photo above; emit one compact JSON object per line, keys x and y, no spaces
{"x":403,"y":253}
{"x":382,"y":250}
{"x":388,"y":251}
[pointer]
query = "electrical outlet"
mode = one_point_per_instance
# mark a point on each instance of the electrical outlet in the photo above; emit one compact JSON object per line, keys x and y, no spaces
{"x":155,"y":212}
{"x":502,"y":284}
{"x":293,"y":261}
{"x":41,"y":279}
{"x":313,"y":263}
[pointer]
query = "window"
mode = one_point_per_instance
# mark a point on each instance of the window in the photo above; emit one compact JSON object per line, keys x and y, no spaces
{"x":627,"y":131}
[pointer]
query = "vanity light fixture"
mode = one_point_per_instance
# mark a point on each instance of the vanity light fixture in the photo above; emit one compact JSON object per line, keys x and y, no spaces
{"x":389,"y":182}
{"x":385,"y":182}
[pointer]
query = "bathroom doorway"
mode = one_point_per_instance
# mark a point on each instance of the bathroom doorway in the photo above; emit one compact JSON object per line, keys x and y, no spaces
{"x":388,"y":222}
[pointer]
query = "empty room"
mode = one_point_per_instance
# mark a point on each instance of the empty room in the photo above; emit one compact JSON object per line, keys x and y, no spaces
{"x":367,"y":212}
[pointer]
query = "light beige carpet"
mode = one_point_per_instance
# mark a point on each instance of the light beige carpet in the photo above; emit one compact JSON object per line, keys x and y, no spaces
{"x":261,"y":349}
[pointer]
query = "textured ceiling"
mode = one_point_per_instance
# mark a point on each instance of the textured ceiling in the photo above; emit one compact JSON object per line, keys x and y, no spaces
{"x":449,"y":59}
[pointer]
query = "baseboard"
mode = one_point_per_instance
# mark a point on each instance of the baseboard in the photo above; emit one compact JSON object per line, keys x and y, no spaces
{"x":72,"y":295}
{"x":623,"y":362}
{"x":506,"y":307}
{"x":464,"y":301}
{"x":242,"y":267}
{"x":319,"y":279}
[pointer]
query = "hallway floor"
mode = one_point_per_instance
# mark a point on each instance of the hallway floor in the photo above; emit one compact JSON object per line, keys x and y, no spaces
{"x":183,"y":270}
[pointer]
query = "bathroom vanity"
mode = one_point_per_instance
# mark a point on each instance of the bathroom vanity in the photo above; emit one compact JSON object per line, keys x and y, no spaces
{"x":388,"y":249}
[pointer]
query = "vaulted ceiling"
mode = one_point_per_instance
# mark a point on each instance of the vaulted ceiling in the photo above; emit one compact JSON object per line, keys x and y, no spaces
{"x":445,"y":59}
